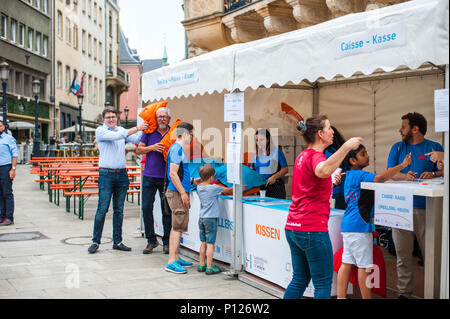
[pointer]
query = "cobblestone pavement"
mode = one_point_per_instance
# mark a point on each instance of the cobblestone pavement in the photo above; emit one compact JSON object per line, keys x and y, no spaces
{"x":56,"y":263}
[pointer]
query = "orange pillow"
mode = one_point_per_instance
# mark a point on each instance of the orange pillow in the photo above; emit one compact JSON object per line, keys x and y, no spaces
{"x":170,"y":138}
{"x":148,"y":114}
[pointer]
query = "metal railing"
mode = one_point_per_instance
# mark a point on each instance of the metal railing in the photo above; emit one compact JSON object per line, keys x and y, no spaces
{"x":234,"y":4}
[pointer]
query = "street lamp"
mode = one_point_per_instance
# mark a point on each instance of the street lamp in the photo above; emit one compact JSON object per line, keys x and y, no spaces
{"x":36,"y":87}
{"x":80,"y":98}
{"x":4,"y":76}
{"x":126,"y":110}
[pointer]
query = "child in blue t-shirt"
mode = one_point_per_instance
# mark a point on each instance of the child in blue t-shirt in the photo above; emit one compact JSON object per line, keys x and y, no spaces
{"x":209,"y":214}
{"x":356,"y":226}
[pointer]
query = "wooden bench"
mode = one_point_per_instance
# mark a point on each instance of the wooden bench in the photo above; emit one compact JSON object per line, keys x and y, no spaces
{"x":84,"y":195}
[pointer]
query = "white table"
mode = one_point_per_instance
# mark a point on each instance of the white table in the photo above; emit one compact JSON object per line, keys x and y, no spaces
{"x":433,"y":229}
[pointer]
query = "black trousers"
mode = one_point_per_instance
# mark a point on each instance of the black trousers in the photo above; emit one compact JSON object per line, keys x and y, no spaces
{"x":6,"y":194}
{"x":276,"y":190}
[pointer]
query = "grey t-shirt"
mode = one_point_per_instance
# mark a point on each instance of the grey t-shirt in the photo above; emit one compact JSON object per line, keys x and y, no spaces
{"x":209,"y":204}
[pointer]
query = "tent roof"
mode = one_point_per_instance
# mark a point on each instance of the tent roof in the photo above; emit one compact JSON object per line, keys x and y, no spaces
{"x":312,"y":53}
{"x":74,"y":128}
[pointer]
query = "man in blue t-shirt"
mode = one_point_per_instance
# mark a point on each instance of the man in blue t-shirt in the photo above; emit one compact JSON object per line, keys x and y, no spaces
{"x":177,"y":195}
{"x":412,"y":130}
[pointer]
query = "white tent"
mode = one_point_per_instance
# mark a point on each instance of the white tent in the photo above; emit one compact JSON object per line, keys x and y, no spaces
{"x":19,"y":125}
{"x":313,"y":53}
{"x":401,"y":37}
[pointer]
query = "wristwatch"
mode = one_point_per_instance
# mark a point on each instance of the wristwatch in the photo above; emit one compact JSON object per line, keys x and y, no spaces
{"x":14,"y":168}
{"x":434,"y":174}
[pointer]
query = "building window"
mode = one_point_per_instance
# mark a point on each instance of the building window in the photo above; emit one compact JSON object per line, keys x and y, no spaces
{"x":38,"y":42}
{"x":75,"y":5}
{"x":22,"y":34}
{"x":19,"y":88}
{"x":58,"y":74}
{"x":100,"y":92}
{"x":100,"y":52}
{"x":95,"y":12}
{"x":45,"y":46}
{"x":13,"y":30}
{"x":89,"y":45}
{"x":75,"y":37}
{"x":90,"y":88}
{"x":27,"y":85}
{"x":30,"y":39}
{"x":3,"y":26}
{"x":59,"y":24}
{"x":68,"y":2}
{"x":100,"y":20}
{"x":83,"y":41}
{"x":95,"y":49}
{"x":110,"y":24}
{"x":95,"y":91}
{"x":68,"y":30}
{"x":83,"y":6}
{"x":89,"y":7}
{"x":67,"y":77}
{"x":44,"y":6}
{"x":37,"y":3}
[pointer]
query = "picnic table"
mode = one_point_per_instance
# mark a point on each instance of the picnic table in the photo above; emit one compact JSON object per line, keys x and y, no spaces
{"x":77,"y":177}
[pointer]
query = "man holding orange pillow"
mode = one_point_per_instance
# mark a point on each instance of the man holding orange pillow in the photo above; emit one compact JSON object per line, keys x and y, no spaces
{"x":153,"y":180}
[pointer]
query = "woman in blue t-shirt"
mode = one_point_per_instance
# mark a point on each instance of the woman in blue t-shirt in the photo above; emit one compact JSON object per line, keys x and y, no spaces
{"x":270,"y":162}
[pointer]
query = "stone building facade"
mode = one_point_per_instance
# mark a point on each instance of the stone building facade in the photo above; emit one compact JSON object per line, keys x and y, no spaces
{"x":214,"y":24}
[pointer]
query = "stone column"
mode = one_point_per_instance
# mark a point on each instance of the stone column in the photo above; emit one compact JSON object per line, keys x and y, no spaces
{"x":309,"y":12}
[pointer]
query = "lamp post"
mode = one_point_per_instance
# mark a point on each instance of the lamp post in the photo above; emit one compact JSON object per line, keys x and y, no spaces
{"x":36,"y":87}
{"x":80,"y":98}
{"x":4,"y":76}
{"x":126,"y":110}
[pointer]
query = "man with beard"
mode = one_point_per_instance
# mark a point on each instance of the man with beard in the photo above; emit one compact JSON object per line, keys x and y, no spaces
{"x":153,"y":180}
{"x":412,"y":130}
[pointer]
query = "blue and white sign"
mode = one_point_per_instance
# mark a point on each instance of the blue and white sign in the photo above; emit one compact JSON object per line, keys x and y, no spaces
{"x":392,"y":35}
{"x":177,"y":79}
{"x":393,"y":207}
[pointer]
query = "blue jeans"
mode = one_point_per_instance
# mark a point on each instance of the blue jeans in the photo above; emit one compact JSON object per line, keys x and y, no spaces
{"x":113,"y":185}
{"x":312,"y":258}
{"x":149,"y":187}
{"x":6,"y":194}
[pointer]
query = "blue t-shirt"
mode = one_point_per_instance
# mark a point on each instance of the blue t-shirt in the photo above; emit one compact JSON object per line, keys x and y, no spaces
{"x":338,"y":189}
{"x":176,"y":155}
{"x":209,"y":204}
{"x":267,"y":165}
{"x":359,"y":212}
{"x":419,"y":162}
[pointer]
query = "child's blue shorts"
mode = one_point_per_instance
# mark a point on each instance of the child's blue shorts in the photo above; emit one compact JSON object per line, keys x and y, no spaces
{"x":208,"y":230}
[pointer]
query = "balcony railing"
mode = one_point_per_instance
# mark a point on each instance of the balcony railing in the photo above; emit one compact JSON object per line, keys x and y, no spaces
{"x":234,"y":4}
{"x":121,"y":73}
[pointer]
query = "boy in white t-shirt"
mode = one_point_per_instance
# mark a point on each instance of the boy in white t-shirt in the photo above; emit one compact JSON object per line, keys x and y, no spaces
{"x":209,"y":214}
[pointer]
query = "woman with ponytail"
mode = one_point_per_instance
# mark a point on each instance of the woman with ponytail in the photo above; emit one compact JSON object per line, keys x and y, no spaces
{"x":307,"y":223}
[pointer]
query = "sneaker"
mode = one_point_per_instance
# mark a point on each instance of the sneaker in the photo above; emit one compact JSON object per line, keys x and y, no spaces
{"x":93,"y":248}
{"x":201,"y":268}
{"x":149,"y":248}
{"x":166,"y":249}
{"x":175,"y":268}
{"x":211,"y":271}
{"x":184,"y":263}
{"x":121,"y":247}
{"x":7,"y":222}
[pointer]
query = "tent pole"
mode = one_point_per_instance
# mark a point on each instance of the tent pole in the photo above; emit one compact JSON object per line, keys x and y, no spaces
{"x":315,"y":99}
{"x":445,"y":214}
